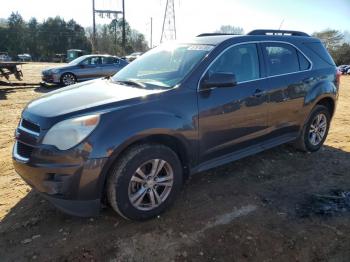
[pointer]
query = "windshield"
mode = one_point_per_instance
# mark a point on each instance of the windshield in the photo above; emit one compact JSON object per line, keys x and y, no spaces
{"x":77,"y":60}
{"x":164,"y":66}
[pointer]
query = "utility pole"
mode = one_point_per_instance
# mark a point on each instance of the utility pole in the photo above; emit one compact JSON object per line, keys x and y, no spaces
{"x":169,"y":26}
{"x":108,"y":14}
{"x":151,"y":44}
{"x":93,"y":27}
{"x":124,"y":40}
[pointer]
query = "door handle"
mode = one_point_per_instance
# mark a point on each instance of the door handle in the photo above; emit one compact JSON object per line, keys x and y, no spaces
{"x":258,"y":92}
{"x":309,"y":80}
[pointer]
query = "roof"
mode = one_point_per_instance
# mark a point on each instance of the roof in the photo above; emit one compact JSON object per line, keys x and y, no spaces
{"x":213,"y":39}
{"x":256,"y":35}
{"x":104,"y":55}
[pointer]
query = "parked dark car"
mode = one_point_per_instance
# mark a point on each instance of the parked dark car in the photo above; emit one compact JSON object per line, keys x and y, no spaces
{"x":24,"y":57}
{"x":179,"y":109}
{"x":84,"y":68}
{"x":4,"y":57}
{"x":344,"y":69}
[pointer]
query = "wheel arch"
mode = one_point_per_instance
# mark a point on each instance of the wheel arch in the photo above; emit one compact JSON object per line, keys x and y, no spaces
{"x":174,"y":143}
{"x":328,"y":102}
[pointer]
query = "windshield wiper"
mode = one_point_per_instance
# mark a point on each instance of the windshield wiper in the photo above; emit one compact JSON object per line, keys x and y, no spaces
{"x":130,"y":82}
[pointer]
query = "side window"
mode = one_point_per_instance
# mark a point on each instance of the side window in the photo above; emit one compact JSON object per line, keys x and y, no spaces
{"x":109,"y":60}
{"x":241,"y":60}
{"x":87,"y":61}
{"x":91,"y":61}
{"x":95,"y":60}
{"x":283,"y":59}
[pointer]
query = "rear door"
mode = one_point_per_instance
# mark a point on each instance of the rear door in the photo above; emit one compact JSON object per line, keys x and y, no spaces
{"x":234,"y":117}
{"x":110,"y":65}
{"x":288,"y":73}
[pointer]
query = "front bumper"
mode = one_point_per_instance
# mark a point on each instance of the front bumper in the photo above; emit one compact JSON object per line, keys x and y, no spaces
{"x":73,"y":185}
{"x":51,"y":78}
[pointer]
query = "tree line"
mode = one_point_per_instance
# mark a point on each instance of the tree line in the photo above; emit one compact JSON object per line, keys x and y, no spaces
{"x":337,"y":44}
{"x":55,"y":36}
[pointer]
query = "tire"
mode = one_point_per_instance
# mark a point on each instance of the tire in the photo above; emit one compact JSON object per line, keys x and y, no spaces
{"x":122,"y":192}
{"x":306,"y":141}
{"x":68,"y":79}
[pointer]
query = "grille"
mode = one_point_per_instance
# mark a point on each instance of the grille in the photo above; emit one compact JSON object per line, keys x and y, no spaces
{"x":24,"y":150}
{"x":30,"y":126}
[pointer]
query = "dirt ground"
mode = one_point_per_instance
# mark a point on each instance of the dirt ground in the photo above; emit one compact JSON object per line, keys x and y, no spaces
{"x":254,"y":209}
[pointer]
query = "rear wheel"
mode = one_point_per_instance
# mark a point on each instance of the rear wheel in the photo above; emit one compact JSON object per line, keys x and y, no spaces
{"x":144,"y":182}
{"x":315,"y":131}
{"x":68,"y":79}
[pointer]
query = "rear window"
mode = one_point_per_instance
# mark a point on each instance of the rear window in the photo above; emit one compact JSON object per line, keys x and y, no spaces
{"x":303,"y":62}
{"x":320,"y":51}
{"x":109,"y":60}
{"x":283,"y":59}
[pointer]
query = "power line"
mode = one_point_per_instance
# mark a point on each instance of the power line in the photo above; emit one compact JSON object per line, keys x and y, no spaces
{"x":107,"y":13}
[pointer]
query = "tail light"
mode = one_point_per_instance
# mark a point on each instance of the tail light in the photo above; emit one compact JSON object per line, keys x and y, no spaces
{"x":338,"y":78}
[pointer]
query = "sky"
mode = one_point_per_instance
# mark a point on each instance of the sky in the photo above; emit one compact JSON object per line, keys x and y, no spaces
{"x":195,"y":16}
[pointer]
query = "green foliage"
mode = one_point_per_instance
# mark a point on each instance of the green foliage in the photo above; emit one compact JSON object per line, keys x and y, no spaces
{"x":16,"y":33}
{"x":336,"y":44}
{"x":331,"y":38}
{"x":41,"y":40}
{"x":56,"y":36}
{"x":109,"y":39}
{"x":341,"y":55}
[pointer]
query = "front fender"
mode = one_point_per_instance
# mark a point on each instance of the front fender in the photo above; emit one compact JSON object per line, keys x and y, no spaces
{"x":120,"y":134}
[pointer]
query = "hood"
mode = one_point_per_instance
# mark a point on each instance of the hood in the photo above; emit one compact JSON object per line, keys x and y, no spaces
{"x":63,"y":67}
{"x":83,"y":96}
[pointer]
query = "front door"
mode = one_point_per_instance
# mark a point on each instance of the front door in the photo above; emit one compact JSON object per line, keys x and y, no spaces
{"x":233,"y":118}
{"x":90,"y":68}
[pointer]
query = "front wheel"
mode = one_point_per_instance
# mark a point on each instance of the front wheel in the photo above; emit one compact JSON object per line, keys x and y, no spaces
{"x":68,"y":79}
{"x":315,"y":131}
{"x":144,"y":182}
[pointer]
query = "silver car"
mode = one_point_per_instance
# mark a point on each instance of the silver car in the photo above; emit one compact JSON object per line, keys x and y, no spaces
{"x":84,"y":68}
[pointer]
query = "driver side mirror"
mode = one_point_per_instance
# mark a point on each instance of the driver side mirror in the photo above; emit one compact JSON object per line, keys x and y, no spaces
{"x":219,"y":80}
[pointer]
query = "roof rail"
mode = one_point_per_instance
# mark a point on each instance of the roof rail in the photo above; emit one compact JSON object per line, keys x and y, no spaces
{"x":214,"y":34}
{"x":277,"y":32}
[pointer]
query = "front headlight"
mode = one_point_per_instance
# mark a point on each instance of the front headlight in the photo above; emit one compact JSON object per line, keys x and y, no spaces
{"x":68,"y":133}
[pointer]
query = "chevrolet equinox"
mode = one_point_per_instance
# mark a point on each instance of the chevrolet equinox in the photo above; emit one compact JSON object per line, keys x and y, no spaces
{"x":181,"y":108}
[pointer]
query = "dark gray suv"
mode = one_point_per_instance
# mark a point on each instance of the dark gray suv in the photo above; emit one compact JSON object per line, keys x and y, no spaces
{"x":179,"y":109}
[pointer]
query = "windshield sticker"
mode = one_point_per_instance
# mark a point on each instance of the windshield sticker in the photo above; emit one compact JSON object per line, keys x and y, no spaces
{"x":200,"y":47}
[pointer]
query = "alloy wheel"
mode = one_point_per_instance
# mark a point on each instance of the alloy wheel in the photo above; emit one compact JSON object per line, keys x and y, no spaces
{"x":68,"y":79}
{"x":318,"y":129}
{"x":151,"y":184}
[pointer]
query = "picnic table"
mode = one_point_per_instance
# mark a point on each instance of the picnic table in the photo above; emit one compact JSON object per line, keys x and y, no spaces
{"x":11,"y":68}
